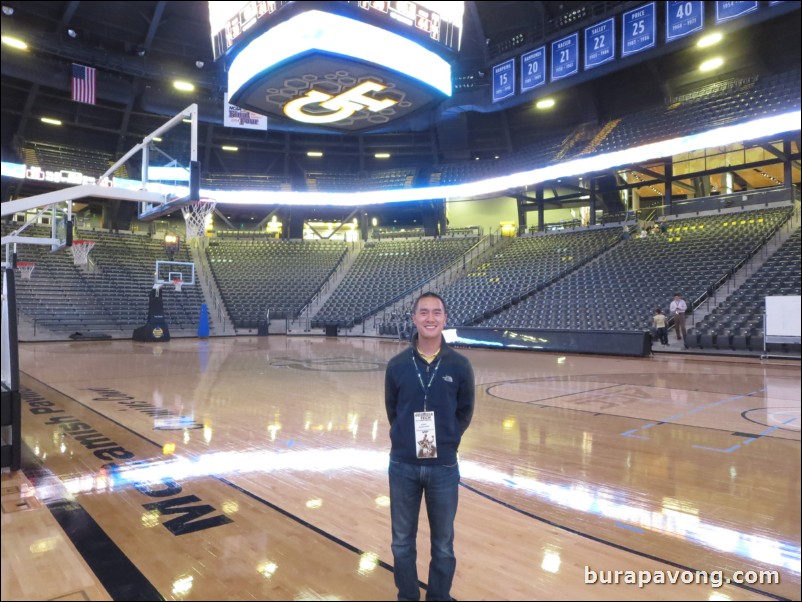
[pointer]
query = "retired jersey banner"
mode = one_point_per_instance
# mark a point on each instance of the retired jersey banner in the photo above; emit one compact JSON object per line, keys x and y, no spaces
{"x":683,"y":18}
{"x":504,"y":80}
{"x":638,"y":29}
{"x":533,"y":69}
{"x":600,"y":43}
{"x":565,"y":57}
{"x":731,"y":10}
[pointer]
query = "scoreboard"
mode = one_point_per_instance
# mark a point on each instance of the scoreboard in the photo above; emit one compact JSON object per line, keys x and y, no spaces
{"x":231,"y":20}
{"x":439,"y":22}
{"x":337,"y":66}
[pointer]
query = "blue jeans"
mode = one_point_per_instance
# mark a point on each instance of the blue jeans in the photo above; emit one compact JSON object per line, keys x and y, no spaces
{"x":440,"y":485}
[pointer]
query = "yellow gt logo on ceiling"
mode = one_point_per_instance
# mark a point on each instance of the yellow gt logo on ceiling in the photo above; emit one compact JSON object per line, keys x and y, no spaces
{"x":341,"y":106}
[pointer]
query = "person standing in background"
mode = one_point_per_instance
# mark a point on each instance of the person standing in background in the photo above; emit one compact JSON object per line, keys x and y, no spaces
{"x":660,"y":324}
{"x":678,"y":308}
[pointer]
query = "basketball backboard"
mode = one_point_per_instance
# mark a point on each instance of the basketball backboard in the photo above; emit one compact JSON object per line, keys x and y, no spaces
{"x":53,"y":218}
{"x":61,"y":226}
{"x":169,"y":164}
{"x":154,"y":197}
{"x":167,"y":272}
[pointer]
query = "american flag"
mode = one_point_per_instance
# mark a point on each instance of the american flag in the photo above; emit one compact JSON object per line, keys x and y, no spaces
{"x":83,"y":84}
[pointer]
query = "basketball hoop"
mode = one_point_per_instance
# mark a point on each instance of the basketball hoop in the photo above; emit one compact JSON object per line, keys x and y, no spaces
{"x":80,"y":251}
{"x":178,"y":284}
{"x":195,"y":215}
{"x":26,"y":269}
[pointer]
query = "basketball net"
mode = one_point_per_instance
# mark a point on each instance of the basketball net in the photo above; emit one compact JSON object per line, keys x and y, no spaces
{"x":178,"y":284}
{"x":80,"y":251}
{"x":195,"y":215}
{"x":25,"y":269}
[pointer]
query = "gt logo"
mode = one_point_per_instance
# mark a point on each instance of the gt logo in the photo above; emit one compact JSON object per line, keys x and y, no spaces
{"x":341,"y":107}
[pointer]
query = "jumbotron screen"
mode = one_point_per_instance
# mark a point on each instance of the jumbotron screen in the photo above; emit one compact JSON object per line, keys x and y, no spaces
{"x":439,"y":22}
{"x":338,"y":66}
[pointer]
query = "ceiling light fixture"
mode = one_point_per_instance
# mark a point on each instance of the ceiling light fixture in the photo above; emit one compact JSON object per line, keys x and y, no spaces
{"x":545,"y":103}
{"x":51,"y":121}
{"x":382,"y":155}
{"x":140,"y":51}
{"x":200,"y":64}
{"x":314,"y":154}
{"x":232,"y":149}
{"x":711,"y":64}
{"x":14,"y":43}
{"x":183,"y":86}
{"x":709,"y":40}
{"x":72,"y":33}
{"x":8,"y":10}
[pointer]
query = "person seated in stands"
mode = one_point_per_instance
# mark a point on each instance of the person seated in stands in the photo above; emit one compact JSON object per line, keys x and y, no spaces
{"x":643,"y":233}
{"x":625,"y":234}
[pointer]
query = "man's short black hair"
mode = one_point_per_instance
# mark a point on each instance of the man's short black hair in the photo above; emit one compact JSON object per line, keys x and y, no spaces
{"x":432,"y":295}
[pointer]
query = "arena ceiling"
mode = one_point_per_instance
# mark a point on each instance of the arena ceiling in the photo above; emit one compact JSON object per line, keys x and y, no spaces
{"x":139,"y":48}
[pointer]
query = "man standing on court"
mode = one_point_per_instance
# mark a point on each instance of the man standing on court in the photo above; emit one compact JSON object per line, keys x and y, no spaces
{"x":429,"y":396}
{"x":678,"y":308}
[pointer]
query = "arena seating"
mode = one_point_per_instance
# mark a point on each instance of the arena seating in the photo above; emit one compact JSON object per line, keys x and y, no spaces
{"x":214,"y":181}
{"x":125,"y":272}
{"x":737,"y":323}
{"x":714,"y":106}
{"x":537,"y":155}
{"x":56,"y":298}
{"x":60,"y":157}
{"x":719,"y":104}
{"x":583,"y":280}
{"x":259,"y":274}
{"x":387,"y":179}
{"x":385,"y":270}
{"x":521,"y":268}
{"x":113,"y":297}
{"x":621,"y":290}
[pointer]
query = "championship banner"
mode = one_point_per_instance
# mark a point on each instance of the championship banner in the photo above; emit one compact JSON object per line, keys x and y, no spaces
{"x":236,"y":117}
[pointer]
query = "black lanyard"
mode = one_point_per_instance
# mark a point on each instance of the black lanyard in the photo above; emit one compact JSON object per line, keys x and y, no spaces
{"x":425,"y":388}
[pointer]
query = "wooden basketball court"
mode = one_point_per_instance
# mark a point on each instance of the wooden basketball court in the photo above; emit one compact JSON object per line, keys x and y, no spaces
{"x":255,"y":468}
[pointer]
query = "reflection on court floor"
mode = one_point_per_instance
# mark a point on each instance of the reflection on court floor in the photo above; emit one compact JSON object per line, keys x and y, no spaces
{"x":256,"y":468}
